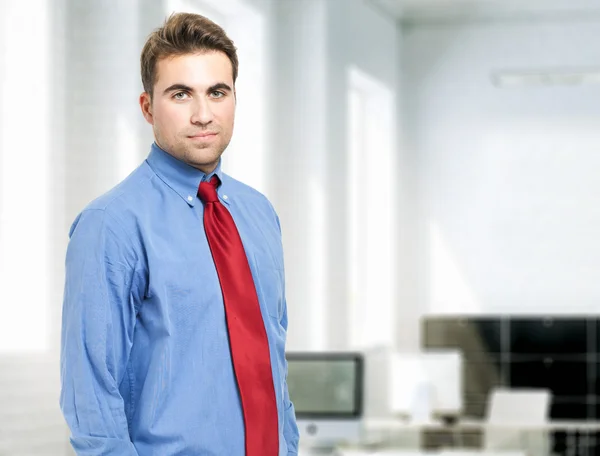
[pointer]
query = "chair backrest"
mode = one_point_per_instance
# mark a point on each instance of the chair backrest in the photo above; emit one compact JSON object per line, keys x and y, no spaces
{"x":512,"y":408}
{"x":518,"y":406}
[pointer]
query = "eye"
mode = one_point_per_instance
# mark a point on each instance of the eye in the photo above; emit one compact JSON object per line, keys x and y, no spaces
{"x":180,"y":95}
{"x":217,"y":94}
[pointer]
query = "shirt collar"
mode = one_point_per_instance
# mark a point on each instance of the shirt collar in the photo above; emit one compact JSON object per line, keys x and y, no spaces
{"x":181,"y":177}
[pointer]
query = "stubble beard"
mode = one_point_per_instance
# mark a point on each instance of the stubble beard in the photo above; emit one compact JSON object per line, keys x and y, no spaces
{"x":202,"y":156}
{"x":196,"y":155}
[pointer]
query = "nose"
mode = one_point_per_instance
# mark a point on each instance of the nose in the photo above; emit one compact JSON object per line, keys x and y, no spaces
{"x":202,"y":113}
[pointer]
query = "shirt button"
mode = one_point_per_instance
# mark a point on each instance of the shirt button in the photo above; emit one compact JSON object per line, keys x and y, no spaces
{"x":224,"y":197}
{"x":190,"y":198}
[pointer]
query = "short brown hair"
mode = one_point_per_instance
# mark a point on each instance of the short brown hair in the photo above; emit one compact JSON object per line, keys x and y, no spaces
{"x":184,"y":33}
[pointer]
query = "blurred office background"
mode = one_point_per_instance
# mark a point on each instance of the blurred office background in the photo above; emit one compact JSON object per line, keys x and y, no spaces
{"x":434,"y":164}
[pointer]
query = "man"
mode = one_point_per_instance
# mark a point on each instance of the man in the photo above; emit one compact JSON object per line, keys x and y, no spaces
{"x":174,"y":315}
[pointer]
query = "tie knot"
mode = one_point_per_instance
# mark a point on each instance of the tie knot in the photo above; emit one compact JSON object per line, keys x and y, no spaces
{"x":207,"y":191}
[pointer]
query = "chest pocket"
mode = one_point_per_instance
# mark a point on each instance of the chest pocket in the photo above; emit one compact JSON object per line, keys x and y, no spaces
{"x":269,"y":285}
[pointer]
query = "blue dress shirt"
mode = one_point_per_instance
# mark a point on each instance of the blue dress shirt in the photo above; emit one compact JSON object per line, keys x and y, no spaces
{"x":145,"y":361}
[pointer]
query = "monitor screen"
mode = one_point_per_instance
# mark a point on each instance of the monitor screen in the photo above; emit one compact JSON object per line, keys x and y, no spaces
{"x":435,"y":373}
{"x":325,"y":385}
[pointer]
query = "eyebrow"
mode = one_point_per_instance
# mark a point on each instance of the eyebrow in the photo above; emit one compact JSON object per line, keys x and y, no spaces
{"x":186,"y":88}
{"x":219,"y":86}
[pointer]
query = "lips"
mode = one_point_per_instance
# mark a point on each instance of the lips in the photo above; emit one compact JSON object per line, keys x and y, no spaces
{"x":204,"y":135}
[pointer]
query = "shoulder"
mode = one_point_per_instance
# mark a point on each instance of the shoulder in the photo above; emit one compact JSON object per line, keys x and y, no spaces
{"x":250,"y":197}
{"x":112,"y":211}
{"x":243,"y":190}
{"x":126,"y":193}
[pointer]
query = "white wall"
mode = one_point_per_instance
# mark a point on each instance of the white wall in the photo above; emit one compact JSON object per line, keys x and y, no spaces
{"x":508,"y":178}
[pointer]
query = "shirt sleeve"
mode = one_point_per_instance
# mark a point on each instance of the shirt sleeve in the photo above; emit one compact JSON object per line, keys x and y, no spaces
{"x":99,"y":312}
{"x":290,"y":428}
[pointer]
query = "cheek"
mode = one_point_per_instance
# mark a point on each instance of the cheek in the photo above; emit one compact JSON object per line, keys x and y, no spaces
{"x":227,"y":117}
{"x":171,"y":119}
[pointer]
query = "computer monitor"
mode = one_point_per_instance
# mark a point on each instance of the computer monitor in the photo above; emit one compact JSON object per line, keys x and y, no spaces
{"x":326,"y":389}
{"x":429,"y":383}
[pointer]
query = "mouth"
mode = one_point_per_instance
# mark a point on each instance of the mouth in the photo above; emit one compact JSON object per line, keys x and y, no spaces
{"x":203,"y":136}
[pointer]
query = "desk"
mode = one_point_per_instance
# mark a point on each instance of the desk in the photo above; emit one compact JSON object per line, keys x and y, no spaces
{"x":389,"y":452}
{"x":384,"y":452}
{"x":396,"y":452}
{"x":476,"y":425}
{"x":572,"y":429}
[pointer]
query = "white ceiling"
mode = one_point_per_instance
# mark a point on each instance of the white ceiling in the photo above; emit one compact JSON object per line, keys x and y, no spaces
{"x":444,"y":10}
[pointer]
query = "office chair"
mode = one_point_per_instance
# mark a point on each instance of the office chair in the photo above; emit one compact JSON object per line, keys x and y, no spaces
{"x":508,"y":412}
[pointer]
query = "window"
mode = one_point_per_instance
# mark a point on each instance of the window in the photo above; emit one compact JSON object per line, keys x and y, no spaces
{"x":371,"y":247}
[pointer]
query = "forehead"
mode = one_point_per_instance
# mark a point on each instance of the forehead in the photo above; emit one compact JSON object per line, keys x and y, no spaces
{"x":195,"y":70}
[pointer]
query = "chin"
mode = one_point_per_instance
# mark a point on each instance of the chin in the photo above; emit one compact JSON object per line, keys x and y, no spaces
{"x":203,"y":161}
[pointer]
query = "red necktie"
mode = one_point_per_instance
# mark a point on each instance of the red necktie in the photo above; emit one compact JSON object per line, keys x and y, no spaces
{"x":247,"y":334}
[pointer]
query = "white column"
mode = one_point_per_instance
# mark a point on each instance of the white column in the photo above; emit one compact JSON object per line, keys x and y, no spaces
{"x":297,"y":179}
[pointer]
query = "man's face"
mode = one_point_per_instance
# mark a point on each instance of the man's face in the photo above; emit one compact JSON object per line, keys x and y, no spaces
{"x":192,"y":109}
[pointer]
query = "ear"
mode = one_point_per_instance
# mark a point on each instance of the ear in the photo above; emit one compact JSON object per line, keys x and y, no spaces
{"x":146,"y":106}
